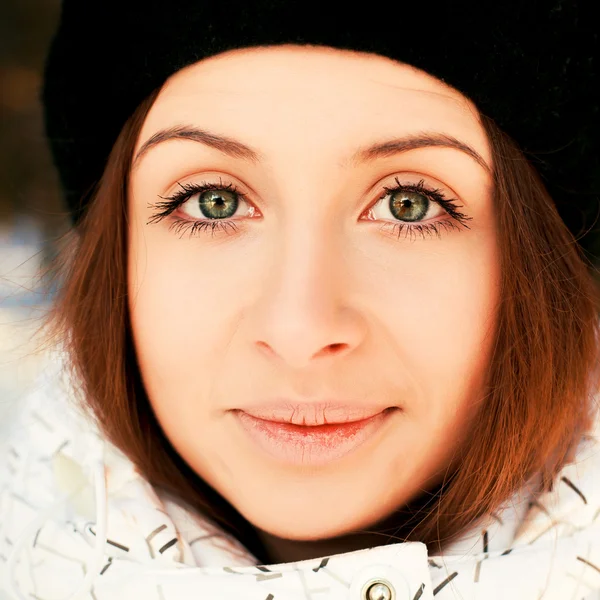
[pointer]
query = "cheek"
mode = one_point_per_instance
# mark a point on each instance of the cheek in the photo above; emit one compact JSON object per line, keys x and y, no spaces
{"x":441,"y":313}
{"x":443,"y":326}
{"x":182,"y":318}
{"x":184,"y":312}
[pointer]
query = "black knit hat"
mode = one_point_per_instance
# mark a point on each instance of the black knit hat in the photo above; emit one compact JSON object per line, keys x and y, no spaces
{"x":532,"y":66}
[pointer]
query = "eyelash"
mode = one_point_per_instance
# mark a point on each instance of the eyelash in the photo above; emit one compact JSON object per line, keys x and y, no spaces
{"x":171,"y":203}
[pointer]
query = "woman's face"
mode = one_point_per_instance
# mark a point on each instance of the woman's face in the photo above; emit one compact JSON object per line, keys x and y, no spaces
{"x":316,"y":290}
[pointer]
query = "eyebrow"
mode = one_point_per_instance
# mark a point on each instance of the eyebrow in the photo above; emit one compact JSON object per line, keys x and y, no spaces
{"x":224,"y":144}
{"x":413,"y":142}
{"x":237,"y":149}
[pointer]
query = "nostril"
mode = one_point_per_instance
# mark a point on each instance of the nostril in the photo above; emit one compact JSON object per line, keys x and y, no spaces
{"x":334,"y":347}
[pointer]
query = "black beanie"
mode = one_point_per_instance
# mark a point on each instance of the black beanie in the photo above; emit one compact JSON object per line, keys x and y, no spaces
{"x":531,"y":65}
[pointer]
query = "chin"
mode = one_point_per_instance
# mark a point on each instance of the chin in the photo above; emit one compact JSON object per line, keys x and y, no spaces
{"x":305,"y":531}
{"x":310,"y":521}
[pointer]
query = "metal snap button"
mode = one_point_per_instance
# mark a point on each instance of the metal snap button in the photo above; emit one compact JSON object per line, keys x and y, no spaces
{"x":378,"y":590}
{"x":379,"y":582}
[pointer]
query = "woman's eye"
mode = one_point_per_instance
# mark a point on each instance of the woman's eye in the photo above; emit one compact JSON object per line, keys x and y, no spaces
{"x":215,"y":204}
{"x":406,"y":206}
{"x":412,"y":207}
{"x":207,"y":206}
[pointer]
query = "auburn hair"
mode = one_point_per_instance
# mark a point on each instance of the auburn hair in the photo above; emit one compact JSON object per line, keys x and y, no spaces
{"x":543,"y":374}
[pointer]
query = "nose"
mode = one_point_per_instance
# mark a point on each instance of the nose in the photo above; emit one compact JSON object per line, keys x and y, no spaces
{"x":303,"y":316}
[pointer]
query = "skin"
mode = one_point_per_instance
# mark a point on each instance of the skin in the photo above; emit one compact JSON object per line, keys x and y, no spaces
{"x":221,"y":320}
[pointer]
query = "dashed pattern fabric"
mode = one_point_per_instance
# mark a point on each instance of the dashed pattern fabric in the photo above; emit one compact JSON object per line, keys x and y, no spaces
{"x":535,"y":547}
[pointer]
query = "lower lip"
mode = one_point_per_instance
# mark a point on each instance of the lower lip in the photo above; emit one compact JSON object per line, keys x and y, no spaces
{"x":314,"y":446}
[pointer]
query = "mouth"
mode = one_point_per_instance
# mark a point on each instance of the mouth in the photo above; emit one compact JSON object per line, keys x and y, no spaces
{"x":313,"y":413}
{"x":316,"y":445}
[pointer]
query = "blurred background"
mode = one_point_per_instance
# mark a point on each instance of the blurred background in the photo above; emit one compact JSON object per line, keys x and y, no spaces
{"x":32,"y":215}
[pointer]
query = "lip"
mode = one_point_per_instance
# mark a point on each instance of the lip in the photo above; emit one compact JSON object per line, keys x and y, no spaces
{"x":306,"y":445}
{"x":312,"y":413}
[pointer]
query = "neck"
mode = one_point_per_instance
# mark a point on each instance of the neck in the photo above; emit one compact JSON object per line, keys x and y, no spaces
{"x":281,"y":550}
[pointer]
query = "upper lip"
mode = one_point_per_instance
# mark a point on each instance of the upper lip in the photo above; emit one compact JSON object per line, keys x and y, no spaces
{"x":313,"y":413}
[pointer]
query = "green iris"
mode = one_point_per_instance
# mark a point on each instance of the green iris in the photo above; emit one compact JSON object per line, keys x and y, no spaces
{"x":218,"y":204}
{"x":409,"y":206}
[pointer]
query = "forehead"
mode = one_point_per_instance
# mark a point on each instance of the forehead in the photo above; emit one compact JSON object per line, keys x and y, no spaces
{"x":312,"y":93}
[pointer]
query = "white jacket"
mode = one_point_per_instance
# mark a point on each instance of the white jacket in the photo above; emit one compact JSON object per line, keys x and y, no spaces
{"x":117,"y":538}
